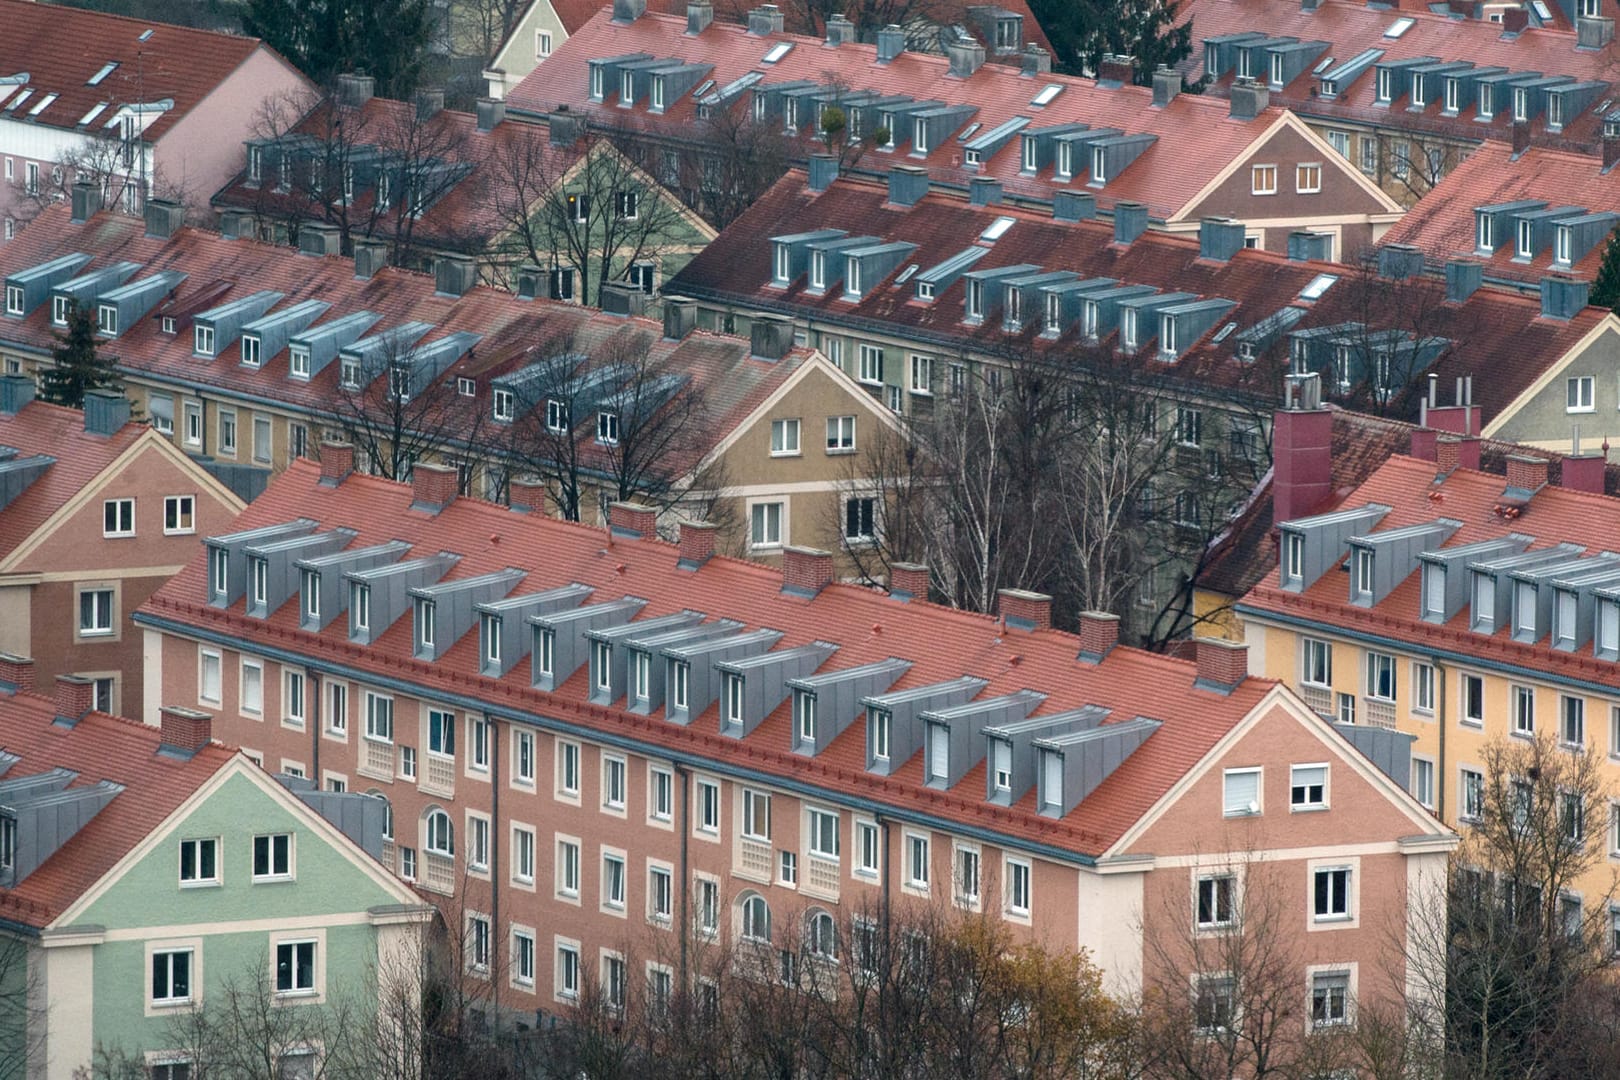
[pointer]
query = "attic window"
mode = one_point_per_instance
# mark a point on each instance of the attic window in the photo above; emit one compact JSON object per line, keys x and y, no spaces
{"x":1398,"y":27}
{"x":19,"y":99}
{"x":967,"y":133}
{"x":996,"y":229}
{"x":779,"y":50}
{"x":1048,"y":92}
{"x":106,"y":69}
{"x":905,"y":275}
{"x":1327,"y":62}
{"x":95,"y":111}
{"x":703,"y":89}
{"x":1223,"y":333}
{"x":1542,"y":11}
{"x":1317,"y":286}
{"x":44,"y":104}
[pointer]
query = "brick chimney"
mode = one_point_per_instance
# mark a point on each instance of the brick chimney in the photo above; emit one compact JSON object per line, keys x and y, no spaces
{"x":337,"y":462}
{"x":632,"y":520}
{"x":1526,"y":473}
{"x":185,"y":730}
{"x":1520,"y":135}
{"x":1423,"y":442}
{"x":527,"y":494}
{"x":1025,"y":610}
{"x":1099,"y":633}
{"x":17,"y":672}
{"x":908,"y":581}
{"x":433,"y":487}
{"x":75,"y":697}
{"x":1120,"y":70}
{"x":1581,"y":472}
{"x":1302,"y":450}
{"x":697,"y":542}
{"x":1222,"y":665}
{"x":1451,"y":451}
{"x":806,"y":571}
{"x":1514,"y":20}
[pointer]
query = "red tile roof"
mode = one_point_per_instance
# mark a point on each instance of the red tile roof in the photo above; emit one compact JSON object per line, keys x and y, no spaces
{"x":80,"y":456}
{"x":866,"y":625}
{"x":1442,"y":223}
{"x":62,"y":48}
{"x":99,"y":747}
{"x":1196,"y":137}
{"x":1496,"y":330}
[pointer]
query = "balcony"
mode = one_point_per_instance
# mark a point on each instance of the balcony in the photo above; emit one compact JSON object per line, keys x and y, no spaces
{"x":820,"y":878}
{"x":377,"y":759}
{"x":439,"y":873}
{"x":439,"y":776}
{"x":753,"y":860}
{"x":1319,"y":698}
{"x":1378,"y":713}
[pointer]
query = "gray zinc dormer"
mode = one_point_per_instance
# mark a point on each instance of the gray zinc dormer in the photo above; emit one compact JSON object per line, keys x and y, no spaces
{"x":1252,"y":341}
{"x":363,"y":360}
{"x":1535,"y":230}
{"x":1606,"y":623}
{"x":362,"y":818}
{"x":1340,"y":77}
{"x":88,"y":287}
{"x":752,"y":687}
{"x":604,"y":73}
{"x":1061,"y":303}
{"x":866,"y":267}
{"x":1220,"y":52}
{"x":442,"y":613}
{"x":227,"y":558}
{"x":1250,"y":56}
{"x":1565,"y":102}
{"x":931,"y":128}
{"x":1382,"y":560}
{"x":272,"y":568}
{"x":412,"y":373}
{"x":123,"y":307}
{"x":1138,"y":316}
{"x":798,"y":105}
{"x":1010,"y":749}
{"x":769,"y":98}
{"x":379,"y":595}
{"x":1530,"y":97}
{"x":827,"y":261}
{"x":1533,"y":588}
{"x":557,"y":640}
{"x":1099,"y":311}
{"x":1312,"y":546}
{"x":218,"y":327}
{"x":1022,"y":297}
{"x":982,"y":293}
{"x":1113,"y":155}
{"x":1037,"y":147}
{"x":896,"y":119}
{"x":1182,"y":324}
{"x":27,"y":289}
{"x":504,"y":636}
{"x":933,"y":281}
{"x":1490,"y":589}
{"x":46,"y":814}
{"x":669,"y":85}
{"x":893,"y":721}
{"x":1575,"y":606}
{"x":1444,"y":589}
{"x":608,"y":662}
{"x":1073,"y":149}
{"x":1072,"y":766}
{"x":647,"y":651}
{"x":311,"y":350}
{"x":953,"y":737}
{"x":270,"y":334}
{"x":1392,"y":78}
{"x":692,"y":683}
{"x":1574,"y":237}
{"x":17,"y":473}
{"x":1493,"y":93}
{"x":982,"y":147}
{"x":790,"y":254}
{"x":824,"y":705}
{"x":529,"y":386}
{"x":635,"y":79}
{"x":1458,"y":89}
{"x":323,"y":596}
{"x":1287,"y":62}
{"x":1386,"y":748}
{"x":1426,"y":82}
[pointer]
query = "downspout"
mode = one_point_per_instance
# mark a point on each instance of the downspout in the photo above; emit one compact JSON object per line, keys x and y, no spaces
{"x":1443,"y":720}
{"x":883,"y":904}
{"x":685,"y":884}
{"x":312,"y":710}
{"x":494,"y":857}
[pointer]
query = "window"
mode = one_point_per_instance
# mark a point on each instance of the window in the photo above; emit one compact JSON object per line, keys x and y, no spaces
{"x":1214,"y":1004}
{"x":1330,"y":999}
{"x":1380,"y":674}
{"x":1318,"y":662}
{"x":1472,"y":795}
{"x":179,"y":514}
{"x":784,"y":438}
{"x":478,"y":735}
{"x":660,"y":894}
{"x":208,"y":677}
{"x":292,"y":697}
{"x":579,"y":207}
{"x":1423,"y":781}
{"x":756,"y":918}
{"x":379,"y":717}
{"x":607,"y":428}
{"x":1472,"y":700}
{"x":1241,"y":792}
{"x":523,"y":752}
{"x":922,"y":374}
{"x":788,"y":874}
{"x":441,"y":834}
{"x":756,"y":815}
{"x":917,"y":861}
{"x":295,"y":967}
{"x":1216,"y":903}
{"x":1340,"y":141}
{"x":199,"y":862}
{"x":562,"y":282}
{"x":765,"y":524}
{"x":95,"y":612}
{"x":477,"y":944}
{"x":477,"y":843}
{"x":523,"y":957}
{"x":967,"y":877}
{"x":1189,"y":426}
{"x":1524,"y":710}
{"x":272,"y":856}
{"x":708,"y":906}
{"x":823,"y":834}
{"x":194,"y":423}
{"x":567,"y":971}
{"x":568,"y":868}
{"x":204,"y":343}
{"x":860,"y":519}
{"x":1369,"y":155}
{"x":227,"y":432}
{"x":1307,"y":787}
{"x":871,"y":364}
{"x":1263,"y":179}
{"x":1401,"y":160}
{"x":568,"y":769}
{"x":1579,"y":393}
{"x":523,"y":855}
{"x":505,"y":405}
{"x":1308,"y":178}
{"x":627,"y":204}
{"x":660,"y":794}
{"x":613,"y":883}
{"x":840,"y":433}
{"x":1423,"y":688}
{"x":1019,"y":888}
{"x":171,"y":977}
{"x":118,"y":517}
{"x":337,"y":713}
{"x":1572,"y":721}
{"x":679,"y":673}
{"x":1330,"y":892}
{"x":613,"y":782}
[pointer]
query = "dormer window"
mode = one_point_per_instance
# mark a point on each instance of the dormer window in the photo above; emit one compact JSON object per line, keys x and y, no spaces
{"x":939,"y":754}
{"x":60,"y":306}
{"x":790,"y":113}
{"x":1099,"y":166}
{"x":602,"y":665}
{"x":505,"y":406}
{"x":1527,"y":239}
{"x":731,"y":700}
{"x":852,"y":276}
{"x":1484,"y":233}
{"x":919,"y":136}
{"x":219,"y":577}
{"x":597,"y":83}
{"x":427,"y":620}
{"x":1168,"y":345}
{"x":1089,"y":318}
{"x":782,"y":265}
{"x":203,"y":338}
{"x":1483,"y":603}
{"x":1486,"y":107}
{"x":8,"y":844}
{"x":759,"y":106}
{"x":1330,"y":88}
{"x":1127,"y":333}
{"x":1001,"y":766}
{"x":1555,"y":111}
{"x":1524,"y":614}
{"x":818,"y":269}
{"x":14,"y":300}
{"x":607,"y":428}
{"x":1386,"y":86}
{"x":1453,"y":94}
{"x":878,"y":725}
{"x":1065,"y":161}
{"x":1052,"y":323}
{"x":312,"y":595}
{"x":489,"y":632}
{"x":259,"y":576}
{"x":975,"y":299}
{"x":107,"y":319}
{"x":545,"y":652}
{"x":1051,"y":793}
{"x":804,"y":716}
{"x":1521,"y":105}
{"x":1245,"y":64}
{"x":359,"y":608}
{"x":1419,"y":95}
{"x":250,"y":350}
{"x":1364,"y":572}
{"x":1293,"y":556}
{"x":1031,"y":155}
{"x":255,"y":164}
{"x":557,"y":418}
{"x":658,"y":92}
{"x":925,"y":290}
{"x":680,"y":674}
{"x":1014,"y":305}
{"x":349,"y":373}
{"x":1563,"y":244}
{"x":627,"y":88}
{"x":1276,"y":71}
{"x":298,"y":361}
{"x":1007,"y":36}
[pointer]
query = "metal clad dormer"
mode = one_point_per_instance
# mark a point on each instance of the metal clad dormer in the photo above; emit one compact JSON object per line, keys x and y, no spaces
{"x":1575,"y":606}
{"x":1312,"y":546}
{"x":609,"y":658}
{"x":442,"y":613}
{"x":504,"y":637}
{"x":953,"y":737}
{"x":691,"y":678}
{"x":273,"y":568}
{"x":1490,"y":590}
{"x":322,"y":595}
{"x":558,"y":644}
{"x":27,"y":289}
{"x":825,"y":705}
{"x":227,"y":557}
{"x":1382,"y":560}
{"x":1532,"y":590}
{"x":1072,"y":766}
{"x":310,"y":350}
{"x":1010,"y":749}
{"x":378,"y":596}
{"x":1444,"y":590}
{"x":893,"y":721}
{"x":649,"y":670}
{"x":751,"y":688}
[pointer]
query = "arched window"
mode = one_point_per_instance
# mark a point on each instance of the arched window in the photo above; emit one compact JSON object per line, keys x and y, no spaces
{"x":756,"y":925}
{"x":821,"y":934}
{"x":441,"y":835}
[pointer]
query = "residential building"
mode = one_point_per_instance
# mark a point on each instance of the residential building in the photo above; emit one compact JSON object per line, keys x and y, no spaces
{"x":136,"y":106}
{"x":588,"y":738}
{"x":147,"y":869}
{"x":95,"y":513}
{"x":690,"y":94}
{"x":1405,"y":95}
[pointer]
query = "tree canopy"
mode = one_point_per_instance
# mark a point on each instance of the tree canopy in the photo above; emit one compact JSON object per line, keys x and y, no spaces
{"x":1083,"y":31}
{"x":76,"y":364}
{"x":386,"y":39}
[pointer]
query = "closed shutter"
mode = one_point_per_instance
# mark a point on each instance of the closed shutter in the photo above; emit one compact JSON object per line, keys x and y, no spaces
{"x":1609,"y":626}
{"x":1242,"y":791}
{"x":1435,"y":589}
{"x":939,"y":751}
{"x":1051,"y":778}
{"x":1003,"y":763}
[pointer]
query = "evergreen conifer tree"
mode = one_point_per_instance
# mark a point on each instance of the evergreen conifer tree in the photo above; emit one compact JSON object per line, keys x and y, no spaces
{"x":1082,"y":31}
{"x":1606,"y":289}
{"x":77,"y":365}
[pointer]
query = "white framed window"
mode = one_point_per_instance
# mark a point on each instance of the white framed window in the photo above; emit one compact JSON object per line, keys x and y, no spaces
{"x":966,"y":877}
{"x":292,"y":697}
{"x":567,"y":871}
{"x":707,"y":821}
{"x":523,"y":758}
{"x":614,"y":784}
{"x":192,"y":433}
{"x":252,"y":696}
{"x":1316,"y":662}
{"x":1471,"y":699}
{"x":660,"y":794}
{"x":1241,"y":792}
{"x":379,"y":717}
{"x":477,"y":945}
{"x":765,"y":524}
{"x":1331,"y":894}
{"x":822,"y":833}
{"x":1215,"y":901}
{"x":1308,"y":787}
{"x":1263,"y":179}
{"x":840,"y":434}
{"x":756,"y":815}
{"x":918,"y":869}
{"x":199,"y":862}
{"x":756,"y":918}
{"x":1423,"y":688}
{"x":337,"y":709}
{"x":523,"y":957}
{"x":171,"y":977}
{"x":567,"y":770}
{"x":922,"y":374}
{"x":1423,"y":781}
{"x":660,"y":894}
{"x":1572,"y":720}
{"x":179,"y":514}
{"x":477,"y":843}
{"x":614,"y":885}
{"x":1471,"y":794}
{"x":118,"y":518}
{"x":1380,"y":675}
{"x":706,"y":916}
{"x":478,"y":740}
{"x":785,"y":438}
{"x":1214,"y":1003}
{"x":871,"y":365}
{"x":567,"y":969}
{"x":208,"y":676}
{"x":1308,"y":178}
{"x":523,"y":855}
{"x":1524,"y":710}
{"x":1020,"y":887}
{"x":1330,"y":999}
{"x":868,"y":852}
{"x":1579,"y":394}
{"x":273,"y":857}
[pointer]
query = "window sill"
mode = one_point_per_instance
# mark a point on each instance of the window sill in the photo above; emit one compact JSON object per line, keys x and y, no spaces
{"x":839,"y":451}
{"x":294,"y":995}
{"x":215,"y":884}
{"x":1332,"y":920}
{"x":786,"y":454}
{"x":277,"y":879}
{"x":1309,"y":808}
{"x":176,"y":1003}
{"x":1477,"y":725}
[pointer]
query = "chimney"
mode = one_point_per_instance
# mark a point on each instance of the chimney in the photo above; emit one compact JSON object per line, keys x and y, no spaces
{"x":1563,"y":298}
{"x":433,"y":487}
{"x":891,"y":42}
{"x":1526,"y":473}
{"x":1249,"y":99}
{"x":1302,"y":450}
{"x":1593,"y":33}
{"x":337,"y":462}
{"x":75,"y":697}
{"x":1166,"y":85}
{"x":1463,"y":277}
{"x":1222,"y":665}
{"x":1034,"y":60}
{"x":823,"y":171}
{"x":1115,"y":71}
{"x":1452,"y":452}
{"x":806,"y":571}
{"x":699,"y":15}
{"x":319,"y":239}
{"x":17,"y":672}
{"x":908,"y":581}
{"x":370,"y":256}
{"x":1025,"y":610}
{"x":453,"y":275}
{"x":907,"y":184}
{"x":16,"y":391}
{"x":840,"y":31}
{"x":562,"y":127}
{"x":1073,"y":206}
{"x":697,"y":542}
{"x":1399,"y":262}
{"x":1519,"y":134}
{"x":355,"y":90}
{"x":770,"y":337}
{"x":764,"y":20}
{"x":628,"y":11}
{"x":163,"y":218}
{"x":633,"y":520}
{"x":87,"y":200}
{"x":531,"y":282}
{"x":1309,"y":246}
{"x":526,"y":494}
{"x":984,"y":191}
{"x":490,"y":113}
{"x":680,"y":317}
{"x":184,"y":730}
{"x":1423,"y":443}
{"x":1514,"y":20}
{"x":1581,"y":472}
{"x":966,"y":57}
{"x":1130,"y":221}
{"x":429,"y":103}
{"x":621,"y":298}
{"x":1099,"y":633}
{"x":1219,"y":239}
{"x":105,"y":411}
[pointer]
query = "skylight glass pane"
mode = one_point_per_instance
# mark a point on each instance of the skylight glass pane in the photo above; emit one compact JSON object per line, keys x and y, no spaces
{"x":779,"y":50}
{"x":704,"y":89}
{"x":95,"y":111}
{"x":1222,"y":334}
{"x":19,"y":99}
{"x":1326,"y":63}
{"x":106,"y":69}
{"x":1048,"y":92}
{"x":905,"y":275}
{"x":997,"y":229}
{"x":1542,"y":11}
{"x":967,"y":133}
{"x":1398,"y":27}
{"x":1318,"y":285}
{"x":44,"y":104}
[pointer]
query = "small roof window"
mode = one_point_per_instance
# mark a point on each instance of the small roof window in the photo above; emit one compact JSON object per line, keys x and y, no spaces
{"x":19,"y":99}
{"x":1048,"y":92}
{"x":779,"y":50}
{"x":1327,"y":62}
{"x":967,"y":132}
{"x":1317,"y":286}
{"x":95,"y":111}
{"x":1542,"y":11}
{"x":1398,"y":27}
{"x":905,"y":275}
{"x":44,"y":103}
{"x":1222,"y":334}
{"x":996,"y":229}
{"x":106,"y":69}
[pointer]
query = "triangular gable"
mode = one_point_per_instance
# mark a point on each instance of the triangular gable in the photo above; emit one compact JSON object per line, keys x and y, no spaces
{"x":1555,"y":371}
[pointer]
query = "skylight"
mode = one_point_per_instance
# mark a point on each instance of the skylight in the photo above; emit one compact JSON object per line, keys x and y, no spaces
{"x":967,"y":132}
{"x":106,"y":69}
{"x":1398,"y":27}
{"x":44,"y":103}
{"x":779,"y":50}
{"x":1541,"y":11}
{"x":905,"y":275}
{"x":703,"y":89}
{"x":1048,"y":92}
{"x":1327,"y":62}
{"x":1317,"y":286}
{"x":996,"y":230}
{"x":1222,"y":333}
{"x":19,"y":99}
{"x":95,"y":111}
